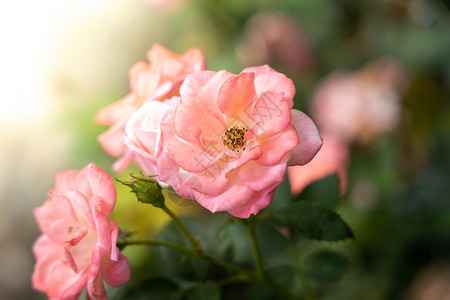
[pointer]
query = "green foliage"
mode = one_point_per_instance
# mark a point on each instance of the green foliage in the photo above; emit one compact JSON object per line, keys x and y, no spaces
{"x":271,"y":241}
{"x":314,"y":221}
{"x":283,"y":276}
{"x":178,"y":264}
{"x":324,"y":192}
{"x":325,"y":266}
{"x":158,"y":288}
{"x":204,"y":291}
{"x":233,"y":244}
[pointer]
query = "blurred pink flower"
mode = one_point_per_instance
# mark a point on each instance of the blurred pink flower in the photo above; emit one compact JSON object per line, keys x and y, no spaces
{"x":354,"y":107}
{"x":228,"y":142}
{"x":360,"y":106}
{"x":78,"y":244}
{"x":276,"y":37}
{"x":158,"y":80}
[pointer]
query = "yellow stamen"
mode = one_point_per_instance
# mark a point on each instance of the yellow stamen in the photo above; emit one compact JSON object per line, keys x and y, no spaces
{"x":234,"y":138}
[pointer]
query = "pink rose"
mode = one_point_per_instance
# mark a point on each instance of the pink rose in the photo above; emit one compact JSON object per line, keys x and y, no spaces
{"x":228,"y":142}
{"x":157,"y":80}
{"x":78,"y":244}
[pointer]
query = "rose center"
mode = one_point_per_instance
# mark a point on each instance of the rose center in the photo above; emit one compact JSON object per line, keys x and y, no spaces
{"x":234,"y":138}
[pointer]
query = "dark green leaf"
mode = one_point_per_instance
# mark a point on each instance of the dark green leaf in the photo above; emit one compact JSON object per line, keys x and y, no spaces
{"x":325,"y":266}
{"x":314,"y":221}
{"x":324,"y":191}
{"x":270,"y":240}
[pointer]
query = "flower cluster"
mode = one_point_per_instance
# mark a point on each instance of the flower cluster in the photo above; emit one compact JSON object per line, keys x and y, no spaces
{"x":222,"y":139}
{"x":78,"y":244}
{"x":156,"y":81}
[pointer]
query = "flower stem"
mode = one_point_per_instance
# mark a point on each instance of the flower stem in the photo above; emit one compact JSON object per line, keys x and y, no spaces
{"x":197,"y":253}
{"x":247,"y":274}
{"x":122,"y":243}
{"x":255,"y":249}
{"x":181,"y":226}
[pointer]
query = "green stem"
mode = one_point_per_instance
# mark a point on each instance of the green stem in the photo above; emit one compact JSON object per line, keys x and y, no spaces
{"x":227,"y":266}
{"x":243,"y":273}
{"x":255,"y":249}
{"x":232,"y":279}
{"x":122,"y":243}
{"x":181,"y":226}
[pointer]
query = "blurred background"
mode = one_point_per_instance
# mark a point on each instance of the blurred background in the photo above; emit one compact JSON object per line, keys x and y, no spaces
{"x":61,"y":61}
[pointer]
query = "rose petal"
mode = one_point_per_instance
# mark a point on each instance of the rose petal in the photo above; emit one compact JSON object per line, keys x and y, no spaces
{"x":81,"y":206}
{"x":258,"y":70}
{"x":233,"y":195}
{"x":118,"y":111}
{"x":55,"y":217}
{"x":259,"y":177}
{"x":276,"y":83}
{"x":95,"y":287}
{"x":259,"y":201}
{"x":123,"y":161}
{"x":103,"y":187}
{"x":191,"y":157}
{"x":117,"y":270}
{"x":309,"y":139}
{"x":192,"y":119}
{"x":51,"y":274}
{"x":193,"y":84}
{"x":66,"y":180}
{"x":271,"y":113}
{"x":236,"y":94}
{"x":273,"y":153}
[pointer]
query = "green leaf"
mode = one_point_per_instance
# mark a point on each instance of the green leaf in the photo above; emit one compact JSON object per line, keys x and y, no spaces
{"x":324,"y":191}
{"x":204,"y":291}
{"x":314,"y":221}
{"x":325,"y":266}
{"x":270,"y":240}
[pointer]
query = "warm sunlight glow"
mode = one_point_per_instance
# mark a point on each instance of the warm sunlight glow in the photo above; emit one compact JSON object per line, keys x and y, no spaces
{"x":29,"y":29}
